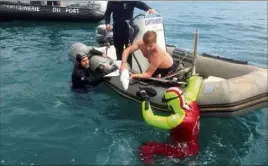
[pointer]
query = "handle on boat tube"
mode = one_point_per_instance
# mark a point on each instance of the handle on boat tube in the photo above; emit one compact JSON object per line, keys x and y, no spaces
{"x":195,"y":52}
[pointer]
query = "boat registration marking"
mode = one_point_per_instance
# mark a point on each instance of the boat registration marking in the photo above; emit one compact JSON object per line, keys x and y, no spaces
{"x":23,"y":8}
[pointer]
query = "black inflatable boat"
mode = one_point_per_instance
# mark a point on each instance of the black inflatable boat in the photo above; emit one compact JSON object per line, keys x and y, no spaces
{"x":90,"y":11}
{"x":229,"y":87}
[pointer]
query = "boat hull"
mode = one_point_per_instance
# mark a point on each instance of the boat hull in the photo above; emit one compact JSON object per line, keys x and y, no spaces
{"x":229,"y":87}
{"x":15,"y":11}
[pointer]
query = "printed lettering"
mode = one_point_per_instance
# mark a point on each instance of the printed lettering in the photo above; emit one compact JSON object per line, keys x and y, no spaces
{"x":23,"y":8}
{"x":57,"y":10}
{"x":76,"y":11}
{"x":153,"y":21}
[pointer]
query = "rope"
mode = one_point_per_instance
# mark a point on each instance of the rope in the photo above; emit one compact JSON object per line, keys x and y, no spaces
{"x":181,"y":59}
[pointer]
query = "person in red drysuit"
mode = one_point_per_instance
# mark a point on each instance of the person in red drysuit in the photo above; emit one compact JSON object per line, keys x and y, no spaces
{"x":183,"y":125}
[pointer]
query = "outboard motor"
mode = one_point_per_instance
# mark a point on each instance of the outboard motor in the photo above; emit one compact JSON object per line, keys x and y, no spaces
{"x":96,"y":60}
{"x":103,"y":37}
{"x":78,"y":48}
{"x":104,"y":64}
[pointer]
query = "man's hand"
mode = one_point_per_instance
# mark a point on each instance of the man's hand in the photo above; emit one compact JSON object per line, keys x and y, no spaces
{"x":123,"y":66}
{"x":108,"y":27}
{"x":132,"y":75}
{"x":151,"y":11}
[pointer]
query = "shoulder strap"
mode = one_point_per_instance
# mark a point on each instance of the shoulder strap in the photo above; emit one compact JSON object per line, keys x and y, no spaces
{"x":94,"y":52}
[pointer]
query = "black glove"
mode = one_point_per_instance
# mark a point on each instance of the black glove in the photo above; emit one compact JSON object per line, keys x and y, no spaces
{"x":142,"y":95}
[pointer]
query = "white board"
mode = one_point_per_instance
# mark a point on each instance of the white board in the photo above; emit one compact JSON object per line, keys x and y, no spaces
{"x":155,"y":24}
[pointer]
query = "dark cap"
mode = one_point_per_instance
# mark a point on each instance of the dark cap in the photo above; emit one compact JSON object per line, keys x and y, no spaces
{"x":80,"y":56}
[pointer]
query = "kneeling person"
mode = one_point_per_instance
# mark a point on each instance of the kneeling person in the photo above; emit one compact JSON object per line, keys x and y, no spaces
{"x":160,"y":62}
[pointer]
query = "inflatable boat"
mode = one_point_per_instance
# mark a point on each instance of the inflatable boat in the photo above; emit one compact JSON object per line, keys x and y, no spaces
{"x":229,"y":87}
{"x":90,"y":11}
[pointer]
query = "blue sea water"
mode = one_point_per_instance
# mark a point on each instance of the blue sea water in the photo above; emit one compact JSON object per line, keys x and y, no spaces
{"x":43,"y":122}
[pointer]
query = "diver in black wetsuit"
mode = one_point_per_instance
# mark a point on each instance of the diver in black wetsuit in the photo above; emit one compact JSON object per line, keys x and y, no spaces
{"x":122,"y":11}
{"x":82,"y":76}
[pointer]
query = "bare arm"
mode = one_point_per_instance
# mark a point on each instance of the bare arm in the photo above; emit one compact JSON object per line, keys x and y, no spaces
{"x":150,"y":70}
{"x":127,"y":51}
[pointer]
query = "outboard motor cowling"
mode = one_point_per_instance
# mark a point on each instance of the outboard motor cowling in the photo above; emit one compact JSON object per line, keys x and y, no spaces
{"x":106,"y":65}
{"x":104,"y":37}
{"x":78,"y":48}
{"x":96,"y":60}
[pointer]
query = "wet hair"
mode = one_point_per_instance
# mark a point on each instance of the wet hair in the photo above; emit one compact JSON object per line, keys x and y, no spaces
{"x":149,"y":37}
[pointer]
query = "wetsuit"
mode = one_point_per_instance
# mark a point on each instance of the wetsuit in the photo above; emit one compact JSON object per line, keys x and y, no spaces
{"x":82,"y":78}
{"x":165,"y":72}
{"x":122,"y":11}
{"x":183,"y":123}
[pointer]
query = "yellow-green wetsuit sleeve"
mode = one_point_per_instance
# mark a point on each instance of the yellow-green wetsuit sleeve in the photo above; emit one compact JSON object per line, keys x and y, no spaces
{"x":168,"y":122}
{"x":194,"y":84}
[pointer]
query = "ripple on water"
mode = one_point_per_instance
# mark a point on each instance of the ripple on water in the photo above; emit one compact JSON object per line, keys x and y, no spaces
{"x":44,"y":122}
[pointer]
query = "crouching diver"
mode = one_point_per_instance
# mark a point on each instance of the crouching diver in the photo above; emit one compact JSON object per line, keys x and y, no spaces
{"x":183,"y":123}
{"x":83,"y":77}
